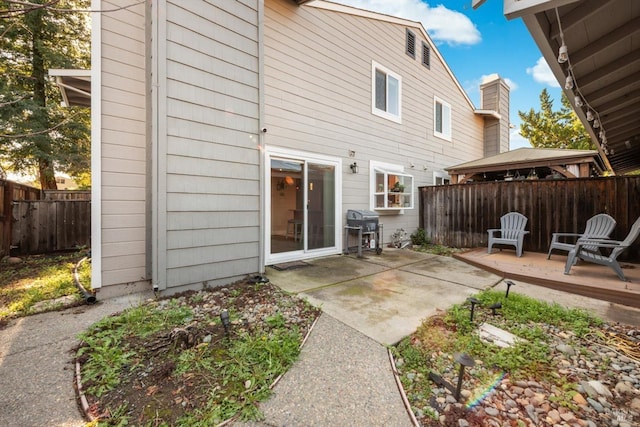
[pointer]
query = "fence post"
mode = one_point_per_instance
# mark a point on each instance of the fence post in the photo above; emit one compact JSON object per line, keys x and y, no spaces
{"x":7,"y":218}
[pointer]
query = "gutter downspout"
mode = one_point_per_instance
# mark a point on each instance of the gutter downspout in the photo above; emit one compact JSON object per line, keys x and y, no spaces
{"x":261,"y":141}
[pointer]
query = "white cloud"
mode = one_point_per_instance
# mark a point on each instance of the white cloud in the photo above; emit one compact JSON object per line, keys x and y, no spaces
{"x":512,"y":85}
{"x":516,"y":140}
{"x":541,"y":73}
{"x":444,"y":25}
{"x":487,"y":77}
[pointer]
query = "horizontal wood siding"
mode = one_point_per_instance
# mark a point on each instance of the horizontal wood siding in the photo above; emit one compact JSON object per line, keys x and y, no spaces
{"x":213,"y":174}
{"x":460,"y":215}
{"x":123,"y":143}
{"x":318,"y":99}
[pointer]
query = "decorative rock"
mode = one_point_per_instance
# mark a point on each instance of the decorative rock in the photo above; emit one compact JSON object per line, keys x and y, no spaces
{"x":465,"y":393}
{"x":493,"y":412}
{"x":624,"y":388}
{"x":463,"y":423}
{"x":14,"y":260}
{"x":517,"y":390}
{"x":553,"y":417}
{"x":600,"y":388}
{"x":579,"y":399}
{"x":635,"y":404}
{"x":595,"y":405}
{"x":532,"y":414}
{"x":586,"y":387}
{"x":566,"y":349}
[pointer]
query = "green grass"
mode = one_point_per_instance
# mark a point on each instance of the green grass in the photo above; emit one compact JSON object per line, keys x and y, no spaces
{"x":431,"y":347}
{"x":39,"y":278}
{"x":226,"y":375}
{"x":104,"y":343}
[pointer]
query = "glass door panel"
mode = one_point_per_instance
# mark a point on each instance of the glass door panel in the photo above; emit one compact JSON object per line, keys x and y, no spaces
{"x":321,"y":221}
{"x":287,"y":205}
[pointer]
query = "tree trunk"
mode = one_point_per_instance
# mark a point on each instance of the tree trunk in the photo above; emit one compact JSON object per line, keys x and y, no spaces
{"x":46,"y":175}
{"x":45,"y":165}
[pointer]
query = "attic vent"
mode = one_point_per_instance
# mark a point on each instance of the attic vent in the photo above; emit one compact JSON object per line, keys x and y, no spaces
{"x":411,"y":44}
{"x":426,"y":55}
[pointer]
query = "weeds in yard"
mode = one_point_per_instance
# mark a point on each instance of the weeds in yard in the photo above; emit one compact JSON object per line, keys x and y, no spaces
{"x":173,"y":363}
{"x":38,"y":278}
{"x":422,"y":243}
{"x":431,"y":347}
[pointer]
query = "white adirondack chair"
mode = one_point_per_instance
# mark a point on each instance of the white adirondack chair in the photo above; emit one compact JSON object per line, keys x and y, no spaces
{"x":598,"y":227}
{"x":582,"y":250}
{"x":511,"y":232}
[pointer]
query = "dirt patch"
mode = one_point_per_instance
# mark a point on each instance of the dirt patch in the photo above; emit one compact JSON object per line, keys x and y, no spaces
{"x":153,"y":390}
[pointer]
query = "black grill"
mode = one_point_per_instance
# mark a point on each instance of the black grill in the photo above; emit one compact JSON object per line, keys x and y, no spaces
{"x":368,"y":220}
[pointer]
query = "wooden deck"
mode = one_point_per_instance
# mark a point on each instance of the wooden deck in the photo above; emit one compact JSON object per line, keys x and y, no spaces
{"x":585,"y":279}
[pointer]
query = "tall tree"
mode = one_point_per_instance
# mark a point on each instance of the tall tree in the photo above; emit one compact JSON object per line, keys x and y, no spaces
{"x":36,"y":132}
{"x":554,"y":129}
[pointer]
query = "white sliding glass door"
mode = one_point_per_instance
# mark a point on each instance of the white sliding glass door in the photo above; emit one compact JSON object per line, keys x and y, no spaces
{"x":303,"y":198}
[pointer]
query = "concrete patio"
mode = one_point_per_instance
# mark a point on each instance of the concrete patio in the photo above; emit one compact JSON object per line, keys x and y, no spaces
{"x":387,"y":296}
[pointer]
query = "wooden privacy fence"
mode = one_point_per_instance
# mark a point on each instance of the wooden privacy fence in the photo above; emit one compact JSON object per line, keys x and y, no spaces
{"x":34,"y":221}
{"x":459,"y":215}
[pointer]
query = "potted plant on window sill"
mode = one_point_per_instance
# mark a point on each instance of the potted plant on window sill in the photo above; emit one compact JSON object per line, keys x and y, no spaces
{"x":397,"y":188}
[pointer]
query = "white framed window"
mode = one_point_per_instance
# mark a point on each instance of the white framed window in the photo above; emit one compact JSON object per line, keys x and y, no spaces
{"x":391,"y":188}
{"x":441,"y":119}
{"x":441,"y":178}
{"x":386,"y":90}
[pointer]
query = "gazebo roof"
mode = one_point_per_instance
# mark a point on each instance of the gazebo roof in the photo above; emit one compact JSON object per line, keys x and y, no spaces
{"x":525,"y":158}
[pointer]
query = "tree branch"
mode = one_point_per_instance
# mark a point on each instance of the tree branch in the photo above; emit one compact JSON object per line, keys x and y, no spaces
{"x":15,"y":101}
{"x":30,"y":7}
{"x":41,"y":132}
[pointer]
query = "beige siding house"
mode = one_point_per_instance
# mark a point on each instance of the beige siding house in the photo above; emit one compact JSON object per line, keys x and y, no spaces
{"x":230,"y":135}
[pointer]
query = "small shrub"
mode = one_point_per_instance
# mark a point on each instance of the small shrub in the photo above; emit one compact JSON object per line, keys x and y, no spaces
{"x":420,"y":238}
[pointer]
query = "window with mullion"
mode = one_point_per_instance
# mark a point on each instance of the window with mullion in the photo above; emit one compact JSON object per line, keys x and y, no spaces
{"x":387,"y":93}
{"x":441,"y":119}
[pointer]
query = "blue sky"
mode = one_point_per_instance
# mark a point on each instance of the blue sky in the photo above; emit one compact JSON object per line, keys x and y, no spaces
{"x":477,"y":43}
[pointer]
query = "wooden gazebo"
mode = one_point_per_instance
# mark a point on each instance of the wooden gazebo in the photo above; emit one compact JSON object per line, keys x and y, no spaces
{"x":529,"y":163}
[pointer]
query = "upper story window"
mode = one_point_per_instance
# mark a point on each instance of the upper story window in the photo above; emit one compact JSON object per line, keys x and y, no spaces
{"x":441,"y":119}
{"x":411,"y":44}
{"x":426,"y":55}
{"x":386,"y":87}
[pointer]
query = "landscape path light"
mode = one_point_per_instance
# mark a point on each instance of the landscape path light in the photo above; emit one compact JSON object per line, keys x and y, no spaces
{"x":509,"y":285}
{"x":224,"y":317}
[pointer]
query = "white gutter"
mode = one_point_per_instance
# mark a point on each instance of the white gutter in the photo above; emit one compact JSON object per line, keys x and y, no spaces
{"x":261,"y":142}
{"x":96,"y":145}
{"x":158,"y":146}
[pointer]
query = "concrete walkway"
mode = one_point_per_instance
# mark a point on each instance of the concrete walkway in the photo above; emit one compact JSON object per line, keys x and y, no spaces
{"x":36,"y":364}
{"x":343,"y":376}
